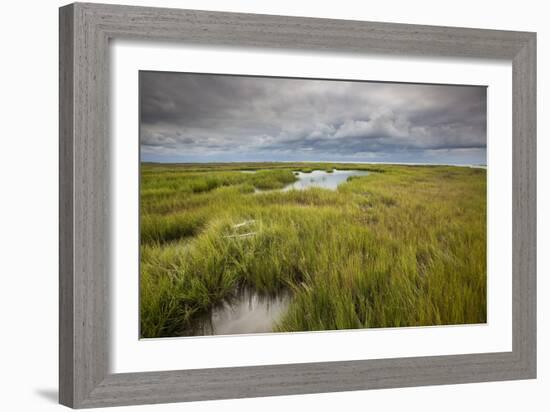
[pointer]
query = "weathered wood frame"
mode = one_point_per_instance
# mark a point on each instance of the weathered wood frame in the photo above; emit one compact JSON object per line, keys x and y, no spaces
{"x":85,"y":30}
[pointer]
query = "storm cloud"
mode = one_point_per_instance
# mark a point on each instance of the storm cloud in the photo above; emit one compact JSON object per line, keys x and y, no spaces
{"x":210,"y":118}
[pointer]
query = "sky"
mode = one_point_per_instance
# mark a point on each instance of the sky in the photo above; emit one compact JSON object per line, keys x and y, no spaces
{"x":188,"y":117}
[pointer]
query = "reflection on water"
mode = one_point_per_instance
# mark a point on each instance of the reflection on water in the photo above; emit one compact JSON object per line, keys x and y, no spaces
{"x":323,"y":179}
{"x":248,"y":312}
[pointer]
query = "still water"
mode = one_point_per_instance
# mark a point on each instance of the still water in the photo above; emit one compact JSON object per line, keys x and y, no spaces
{"x":248,"y":312}
{"x":323,"y":179}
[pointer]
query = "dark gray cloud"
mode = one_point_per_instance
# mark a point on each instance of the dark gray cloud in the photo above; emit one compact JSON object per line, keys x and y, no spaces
{"x":197,"y":117}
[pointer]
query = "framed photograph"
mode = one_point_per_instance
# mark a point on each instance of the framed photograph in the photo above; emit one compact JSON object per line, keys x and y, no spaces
{"x":256,"y":205}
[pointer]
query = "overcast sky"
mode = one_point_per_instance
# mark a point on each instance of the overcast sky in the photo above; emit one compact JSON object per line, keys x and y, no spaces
{"x":216,"y":118}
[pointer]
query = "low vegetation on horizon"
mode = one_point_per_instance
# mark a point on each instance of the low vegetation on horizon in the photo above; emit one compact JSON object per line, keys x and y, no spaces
{"x":402,"y":246}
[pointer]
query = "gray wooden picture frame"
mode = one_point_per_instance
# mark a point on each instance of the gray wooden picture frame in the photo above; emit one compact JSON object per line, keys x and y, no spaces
{"x":85,"y":31}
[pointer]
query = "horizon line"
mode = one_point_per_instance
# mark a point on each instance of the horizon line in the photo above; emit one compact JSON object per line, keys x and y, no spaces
{"x":322,"y":161}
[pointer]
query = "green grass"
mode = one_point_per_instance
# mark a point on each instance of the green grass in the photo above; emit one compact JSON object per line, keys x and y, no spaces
{"x":403,"y":246}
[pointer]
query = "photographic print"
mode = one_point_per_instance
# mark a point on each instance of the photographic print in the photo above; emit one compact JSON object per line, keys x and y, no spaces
{"x":277,"y":205}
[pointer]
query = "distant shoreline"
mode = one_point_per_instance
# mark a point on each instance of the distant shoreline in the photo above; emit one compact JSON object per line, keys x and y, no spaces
{"x":481,"y":166}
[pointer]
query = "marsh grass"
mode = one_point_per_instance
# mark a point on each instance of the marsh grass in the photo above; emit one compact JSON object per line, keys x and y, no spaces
{"x":404,"y":246}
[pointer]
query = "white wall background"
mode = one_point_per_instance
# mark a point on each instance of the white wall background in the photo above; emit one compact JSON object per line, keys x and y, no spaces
{"x":28,"y":206}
